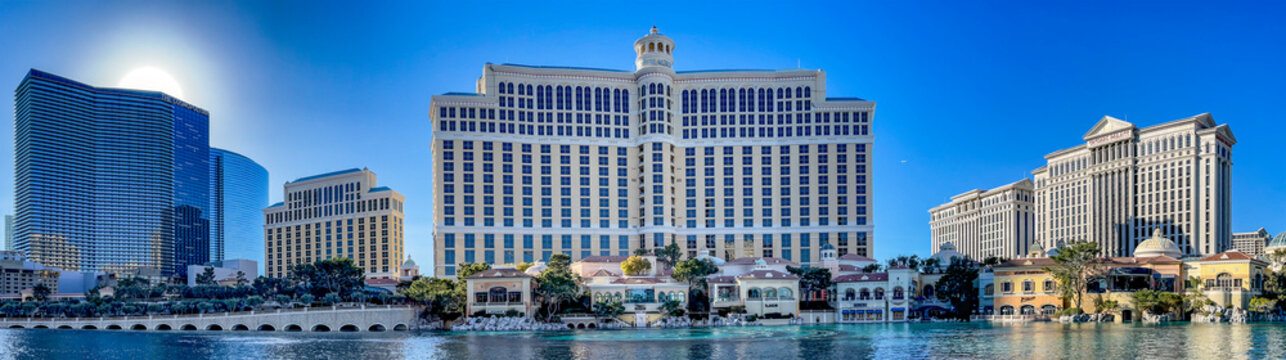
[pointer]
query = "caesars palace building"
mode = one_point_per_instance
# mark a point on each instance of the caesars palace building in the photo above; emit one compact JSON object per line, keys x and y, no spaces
{"x":586,"y":162}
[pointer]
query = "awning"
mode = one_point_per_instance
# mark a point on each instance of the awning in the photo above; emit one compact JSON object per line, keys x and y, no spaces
{"x":877,"y":311}
{"x":897,"y":309}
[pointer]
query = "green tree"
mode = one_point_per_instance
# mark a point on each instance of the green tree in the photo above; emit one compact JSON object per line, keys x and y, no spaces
{"x":205,"y":277}
{"x":694,"y":271}
{"x":440,"y":297}
{"x":41,"y":292}
{"x":672,"y":308}
{"x":642,"y":252}
{"x":241,"y":278}
{"x":337,"y":275}
{"x":464,"y":270}
{"x":871,"y":268}
{"x":557,"y":284}
{"x":608,"y":308}
{"x":993,"y":260}
{"x":1262,"y":305}
{"x":523,"y":266}
{"x":1156,"y":302}
{"x":813,"y":282}
{"x":331,"y":299}
{"x":307,"y":300}
{"x":635,"y":265}
{"x":957,"y":286}
{"x":670,"y":254}
{"x":1073,"y":264}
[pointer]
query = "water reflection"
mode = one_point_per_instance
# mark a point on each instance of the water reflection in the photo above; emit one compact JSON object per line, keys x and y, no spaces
{"x":874,"y":341}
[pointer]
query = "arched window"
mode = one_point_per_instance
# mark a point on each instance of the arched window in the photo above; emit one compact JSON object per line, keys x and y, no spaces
{"x":770,"y":294}
{"x":879,"y":293}
{"x":897,"y":293}
{"x":865,"y":294}
{"x":651,"y":47}
{"x":753,"y":293}
{"x":808,"y":92}
{"x":529,"y":90}
{"x":1028,"y":310}
{"x":681,"y":296}
{"x":497,"y":294}
{"x":849,"y":294}
{"x":785,"y":294}
{"x":1006,"y":310}
{"x":928,"y":291}
{"x":502,"y":88}
{"x":1048,"y":309}
{"x":990,"y":289}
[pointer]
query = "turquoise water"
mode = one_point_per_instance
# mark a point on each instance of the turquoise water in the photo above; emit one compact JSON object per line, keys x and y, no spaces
{"x":874,"y":341}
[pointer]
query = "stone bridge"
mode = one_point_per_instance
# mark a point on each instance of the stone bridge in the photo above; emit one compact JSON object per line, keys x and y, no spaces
{"x":372,"y":318}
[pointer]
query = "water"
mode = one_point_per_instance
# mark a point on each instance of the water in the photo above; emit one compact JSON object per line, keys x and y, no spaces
{"x":873,"y":341}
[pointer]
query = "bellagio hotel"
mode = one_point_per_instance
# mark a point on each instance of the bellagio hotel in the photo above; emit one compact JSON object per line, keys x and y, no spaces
{"x":738,"y":163}
{"x":337,"y":214}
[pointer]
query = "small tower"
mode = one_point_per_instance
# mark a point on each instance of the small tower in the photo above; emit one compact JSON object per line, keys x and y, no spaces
{"x":654,"y":49}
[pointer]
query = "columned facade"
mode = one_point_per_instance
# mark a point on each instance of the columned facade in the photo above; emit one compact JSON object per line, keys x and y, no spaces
{"x":997,"y":222}
{"x":1125,"y":182}
{"x":588,"y":162}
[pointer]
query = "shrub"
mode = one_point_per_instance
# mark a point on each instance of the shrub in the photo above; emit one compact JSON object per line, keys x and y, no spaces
{"x":513,"y":313}
{"x":479,"y":313}
{"x":752,"y":318}
{"x":1071,"y":311}
{"x":307,"y":300}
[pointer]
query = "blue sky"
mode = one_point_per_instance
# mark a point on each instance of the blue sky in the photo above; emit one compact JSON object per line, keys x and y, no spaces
{"x":970,"y":94}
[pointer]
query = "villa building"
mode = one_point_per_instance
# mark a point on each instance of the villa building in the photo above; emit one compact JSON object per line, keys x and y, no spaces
{"x":500,"y":291}
{"x":641,"y":294}
{"x":540,"y":160}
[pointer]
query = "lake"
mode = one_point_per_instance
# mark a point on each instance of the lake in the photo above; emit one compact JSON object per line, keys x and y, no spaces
{"x":868,"y":341}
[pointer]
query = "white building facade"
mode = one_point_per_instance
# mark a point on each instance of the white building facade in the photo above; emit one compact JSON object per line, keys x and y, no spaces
{"x":1125,"y":182}
{"x":998,"y":222}
{"x":591,"y":162}
{"x":337,"y":214}
{"x":1252,"y":243}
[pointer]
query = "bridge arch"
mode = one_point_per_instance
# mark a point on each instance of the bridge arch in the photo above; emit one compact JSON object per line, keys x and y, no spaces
{"x":16,"y":327}
{"x":399,"y":327}
{"x":376,"y":328}
{"x":65,"y":327}
{"x":188,"y":327}
{"x":89,"y":327}
{"x":40,"y":327}
{"x":294,"y":327}
{"x":214,"y":327}
{"x":349,"y":328}
{"x":164,"y":327}
{"x":321,"y":328}
{"x":240,"y":327}
{"x":113,"y":327}
{"x":138,"y":327}
{"x":267,"y":327}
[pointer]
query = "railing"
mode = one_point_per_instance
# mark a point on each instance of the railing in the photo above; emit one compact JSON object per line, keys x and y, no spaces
{"x":497,"y":303}
{"x":1010,"y":318}
{"x":200,"y":315}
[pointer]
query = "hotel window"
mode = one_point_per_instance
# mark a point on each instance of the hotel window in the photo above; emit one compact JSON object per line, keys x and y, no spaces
{"x":1029,"y":286}
{"x":1007,"y":287}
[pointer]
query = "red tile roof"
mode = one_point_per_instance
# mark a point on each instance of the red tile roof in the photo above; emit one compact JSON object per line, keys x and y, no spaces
{"x":767,"y":260}
{"x":768,"y":275}
{"x":499,"y":273}
{"x":601,"y":272}
{"x":721,"y":279}
{"x":1230,"y":255}
{"x":862,"y":277}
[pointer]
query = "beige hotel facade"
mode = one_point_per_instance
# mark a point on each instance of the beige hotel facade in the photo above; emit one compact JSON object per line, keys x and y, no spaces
{"x":998,"y":222}
{"x":338,"y":214}
{"x":542,"y":160}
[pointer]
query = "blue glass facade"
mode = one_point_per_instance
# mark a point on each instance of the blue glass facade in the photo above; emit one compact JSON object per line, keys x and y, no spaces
{"x":238,"y":194}
{"x":109,"y":179}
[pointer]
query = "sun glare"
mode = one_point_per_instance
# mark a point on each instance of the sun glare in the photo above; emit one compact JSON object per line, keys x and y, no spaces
{"x":150,"y":78}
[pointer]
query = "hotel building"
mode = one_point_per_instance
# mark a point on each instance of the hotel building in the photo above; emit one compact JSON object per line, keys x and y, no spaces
{"x":1252,"y":243}
{"x":331,"y":215}
{"x":238,"y":194}
{"x":108,"y":179}
{"x":1126,"y":182}
{"x":998,"y":222}
{"x":590,"y":162}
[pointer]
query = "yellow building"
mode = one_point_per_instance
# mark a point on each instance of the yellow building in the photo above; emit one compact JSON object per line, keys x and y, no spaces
{"x":496,"y":291}
{"x":1231,"y":278}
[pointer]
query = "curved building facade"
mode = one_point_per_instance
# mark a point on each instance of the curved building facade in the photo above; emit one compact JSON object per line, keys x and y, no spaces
{"x":109,"y":179}
{"x":238,"y":194}
{"x":542,"y":160}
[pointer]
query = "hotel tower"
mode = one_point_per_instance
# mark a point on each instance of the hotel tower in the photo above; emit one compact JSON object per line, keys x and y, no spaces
{"x":742,"y":163}
{"x":1125,"y":182}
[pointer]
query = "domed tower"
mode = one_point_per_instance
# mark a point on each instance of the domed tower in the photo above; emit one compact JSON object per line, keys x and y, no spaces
{"x":654,"y":49}
{"x":654,"y":126}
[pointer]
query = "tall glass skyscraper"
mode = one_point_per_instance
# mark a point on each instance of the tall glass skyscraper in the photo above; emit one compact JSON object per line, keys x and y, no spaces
{"x":109,"y":179}
{"x":238,"y":194}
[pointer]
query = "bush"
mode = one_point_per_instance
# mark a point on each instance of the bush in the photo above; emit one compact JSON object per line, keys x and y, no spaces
{"x":752,"y":318}
{"x":307,"y":300}
{"x":1071,"y":311}
{"x":513,"y":313}
{"x":479,"y":313}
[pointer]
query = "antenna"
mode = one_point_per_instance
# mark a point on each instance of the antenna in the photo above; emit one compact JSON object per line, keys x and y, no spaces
{"x":798,"y":63}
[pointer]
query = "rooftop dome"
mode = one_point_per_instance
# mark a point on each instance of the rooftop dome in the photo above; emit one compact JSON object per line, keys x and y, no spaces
{"x":409,"y":263}
{"x":1278,"y":241}
{"x":946,"y":252}
{"x":828,"y":246}
{"x":654,"y":50}
{"x":1158,"y":245}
